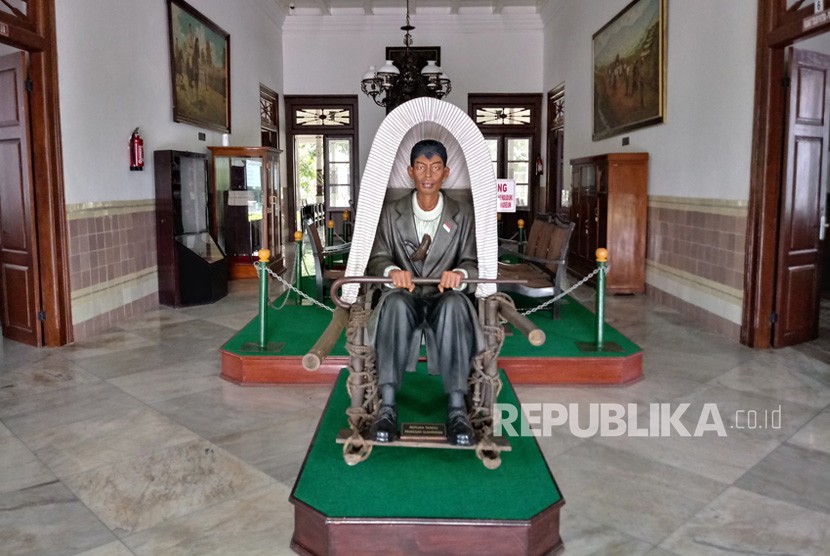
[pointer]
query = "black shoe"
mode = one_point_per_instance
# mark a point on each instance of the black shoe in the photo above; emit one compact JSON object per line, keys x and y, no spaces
{"x":459,"y":430}
{"x":385,"y":427}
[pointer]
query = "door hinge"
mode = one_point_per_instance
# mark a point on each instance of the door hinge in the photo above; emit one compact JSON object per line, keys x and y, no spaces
{"x":785,"y":82}
{"x":29,"y":84}
{"x":773,"y":317}
{"x":41,"y":316}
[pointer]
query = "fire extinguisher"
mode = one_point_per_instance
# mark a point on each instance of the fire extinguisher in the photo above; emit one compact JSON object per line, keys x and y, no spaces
{"x":136,"y":152}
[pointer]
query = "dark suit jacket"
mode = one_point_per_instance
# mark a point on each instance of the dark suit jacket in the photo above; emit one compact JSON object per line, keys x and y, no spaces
{"x":453,"y":246}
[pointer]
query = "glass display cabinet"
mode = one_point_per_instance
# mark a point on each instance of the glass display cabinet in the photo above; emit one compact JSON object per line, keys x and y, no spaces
{"x":247,"y":206}
{"x":191,"y":267}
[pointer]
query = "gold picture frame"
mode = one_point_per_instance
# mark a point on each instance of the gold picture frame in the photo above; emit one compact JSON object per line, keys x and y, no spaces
{"x":200,"y":66}
{"x":629,"y":70}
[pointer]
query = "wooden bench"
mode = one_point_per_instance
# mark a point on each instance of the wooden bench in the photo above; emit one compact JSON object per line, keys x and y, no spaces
{"x":543,"y":262}
{"x":324,"y":276}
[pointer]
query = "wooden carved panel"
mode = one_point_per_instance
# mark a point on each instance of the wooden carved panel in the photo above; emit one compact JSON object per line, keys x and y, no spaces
{"x":17,"y":13}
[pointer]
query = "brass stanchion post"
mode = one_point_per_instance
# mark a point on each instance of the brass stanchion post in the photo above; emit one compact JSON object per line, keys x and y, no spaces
{"x":521,"y":237}
{"x":264,"y":257}
{"x":329,"y":242}
{"x":599,"y":343}
{"x":298,"y":266}
{"x":602,"y":261}
{"x":347,"y":227}
{"x":263,"y":345}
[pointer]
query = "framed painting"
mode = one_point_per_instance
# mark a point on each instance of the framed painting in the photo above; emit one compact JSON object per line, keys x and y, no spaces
{"x":629,"y":58}
{"x":200,"y":56}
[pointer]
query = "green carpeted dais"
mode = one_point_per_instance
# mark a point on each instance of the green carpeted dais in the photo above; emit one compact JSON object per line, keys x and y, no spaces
{"x":299,"y":326}
{"x":423,"y":483}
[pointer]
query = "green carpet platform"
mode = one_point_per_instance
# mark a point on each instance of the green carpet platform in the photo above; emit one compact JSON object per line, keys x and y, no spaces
{"x":421,"y":500}
{"x":293,"y":329}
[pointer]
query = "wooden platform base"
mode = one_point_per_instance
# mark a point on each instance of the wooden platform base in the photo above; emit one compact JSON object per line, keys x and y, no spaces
{"x":439,"y":442}
{"x":316,"y":535}
{"x":590,"y":370}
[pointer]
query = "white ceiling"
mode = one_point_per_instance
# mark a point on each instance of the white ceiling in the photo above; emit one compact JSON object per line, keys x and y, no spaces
{"x":388,"y":7}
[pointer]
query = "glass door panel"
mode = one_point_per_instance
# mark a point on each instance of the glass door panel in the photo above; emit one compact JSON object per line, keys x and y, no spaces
{"x":339,"y":173}
{"x":308,"y":168}
{"x":518,"y":169}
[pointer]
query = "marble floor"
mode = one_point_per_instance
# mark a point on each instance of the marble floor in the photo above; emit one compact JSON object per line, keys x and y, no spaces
{"x":130,"y":443}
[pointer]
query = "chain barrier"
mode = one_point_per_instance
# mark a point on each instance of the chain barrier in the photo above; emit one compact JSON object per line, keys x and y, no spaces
{"x":564,"y":293}
{"x":294,"y":289}
{"x":525,"y":313}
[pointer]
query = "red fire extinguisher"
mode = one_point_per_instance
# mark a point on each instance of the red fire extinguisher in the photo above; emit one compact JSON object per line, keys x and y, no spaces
{"x":136,"y":151}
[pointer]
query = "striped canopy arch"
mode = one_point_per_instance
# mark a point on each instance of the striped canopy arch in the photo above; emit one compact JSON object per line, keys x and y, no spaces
{"x":470,"y":168}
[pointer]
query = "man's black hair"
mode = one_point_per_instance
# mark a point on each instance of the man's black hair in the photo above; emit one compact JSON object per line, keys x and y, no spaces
{"x":428,"y":148}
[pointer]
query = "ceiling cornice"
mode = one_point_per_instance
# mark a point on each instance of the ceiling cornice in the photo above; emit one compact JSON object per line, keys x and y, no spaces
{"x":465,"y":23}
{"x":549,"y":10}
{"x":273,"y":10}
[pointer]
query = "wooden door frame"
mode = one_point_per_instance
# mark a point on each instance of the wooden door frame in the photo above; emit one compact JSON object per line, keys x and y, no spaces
{"x":555,"y":122}
{"x":36,"y":35}
{"x":292,"y":129}
{"x":533,"y":102}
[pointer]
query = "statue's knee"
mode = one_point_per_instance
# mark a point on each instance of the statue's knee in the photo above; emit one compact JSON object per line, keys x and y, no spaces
{"x":398,"y":298}
{"x":397,"y":303}
{"x":454,"y":301}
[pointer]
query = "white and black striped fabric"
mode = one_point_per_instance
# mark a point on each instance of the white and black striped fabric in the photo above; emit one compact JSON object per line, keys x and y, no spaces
{"x":470,"y":168}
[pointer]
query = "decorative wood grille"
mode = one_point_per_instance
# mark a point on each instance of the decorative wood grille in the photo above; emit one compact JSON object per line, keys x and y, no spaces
{"x":327,"y":117}
{"x":503,"y":116}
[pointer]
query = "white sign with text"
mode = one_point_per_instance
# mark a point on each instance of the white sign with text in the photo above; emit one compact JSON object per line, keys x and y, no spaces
{"x":507,"y":195}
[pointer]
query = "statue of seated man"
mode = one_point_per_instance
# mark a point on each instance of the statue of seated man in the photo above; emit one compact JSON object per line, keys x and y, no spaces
{"x":428,"y":235}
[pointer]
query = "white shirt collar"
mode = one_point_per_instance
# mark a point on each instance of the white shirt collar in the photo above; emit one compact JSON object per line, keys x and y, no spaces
{"x":427,"y":215}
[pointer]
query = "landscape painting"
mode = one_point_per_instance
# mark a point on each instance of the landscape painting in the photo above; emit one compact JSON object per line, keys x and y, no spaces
{"x":629,"y":55}
{"x":200,"y":64}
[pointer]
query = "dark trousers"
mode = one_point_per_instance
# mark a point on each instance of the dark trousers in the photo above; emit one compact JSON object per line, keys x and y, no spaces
{"x":444,"y":320}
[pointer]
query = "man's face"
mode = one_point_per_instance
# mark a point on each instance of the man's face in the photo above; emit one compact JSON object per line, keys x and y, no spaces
{"x":428,"y":174}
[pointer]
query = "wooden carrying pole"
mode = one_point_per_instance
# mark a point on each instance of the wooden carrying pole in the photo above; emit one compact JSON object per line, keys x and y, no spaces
{"x":535,"y":336}
{"x":323,"y":346}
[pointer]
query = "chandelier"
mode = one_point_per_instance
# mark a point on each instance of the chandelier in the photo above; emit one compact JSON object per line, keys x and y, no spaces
{"x":393,"y":85}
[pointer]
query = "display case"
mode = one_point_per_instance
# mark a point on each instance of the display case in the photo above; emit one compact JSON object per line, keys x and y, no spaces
{"x":609,"y":203}
{"x":192,"y":269}
{"x":247,"y":203}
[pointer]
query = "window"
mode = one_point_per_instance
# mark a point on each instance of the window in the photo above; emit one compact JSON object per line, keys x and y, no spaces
{"x":510,"y":126}
{"x":322,"y":160}
{"x":511,"y":160}
{"x":269,"y":117}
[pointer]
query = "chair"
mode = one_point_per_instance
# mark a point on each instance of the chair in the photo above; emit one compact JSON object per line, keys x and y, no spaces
{"x":323,"y":276}
{"x":543,"y":263}
{"x":472,"y":180}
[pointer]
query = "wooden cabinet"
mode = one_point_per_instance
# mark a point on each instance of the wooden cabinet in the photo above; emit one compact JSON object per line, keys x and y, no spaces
{"x":609,"y":200}
{"x":191,"y":267}
{"x":248,"y":206}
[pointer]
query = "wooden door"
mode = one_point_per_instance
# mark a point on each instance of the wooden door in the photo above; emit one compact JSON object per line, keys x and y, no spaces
{"x":799,"y":248}
{"x":555,"y":163}
{"x":19,"y":281}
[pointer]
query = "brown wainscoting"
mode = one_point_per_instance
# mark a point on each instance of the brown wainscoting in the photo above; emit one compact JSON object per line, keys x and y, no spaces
{"x":704,"y":241}
{"x":112,"y":262}
{"x":707,"y":240}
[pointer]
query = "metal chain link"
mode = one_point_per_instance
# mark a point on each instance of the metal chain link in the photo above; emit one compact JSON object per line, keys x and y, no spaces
{"x":292,"y":288}
{"x":525,"y":313}
{"x":564,"y":293}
